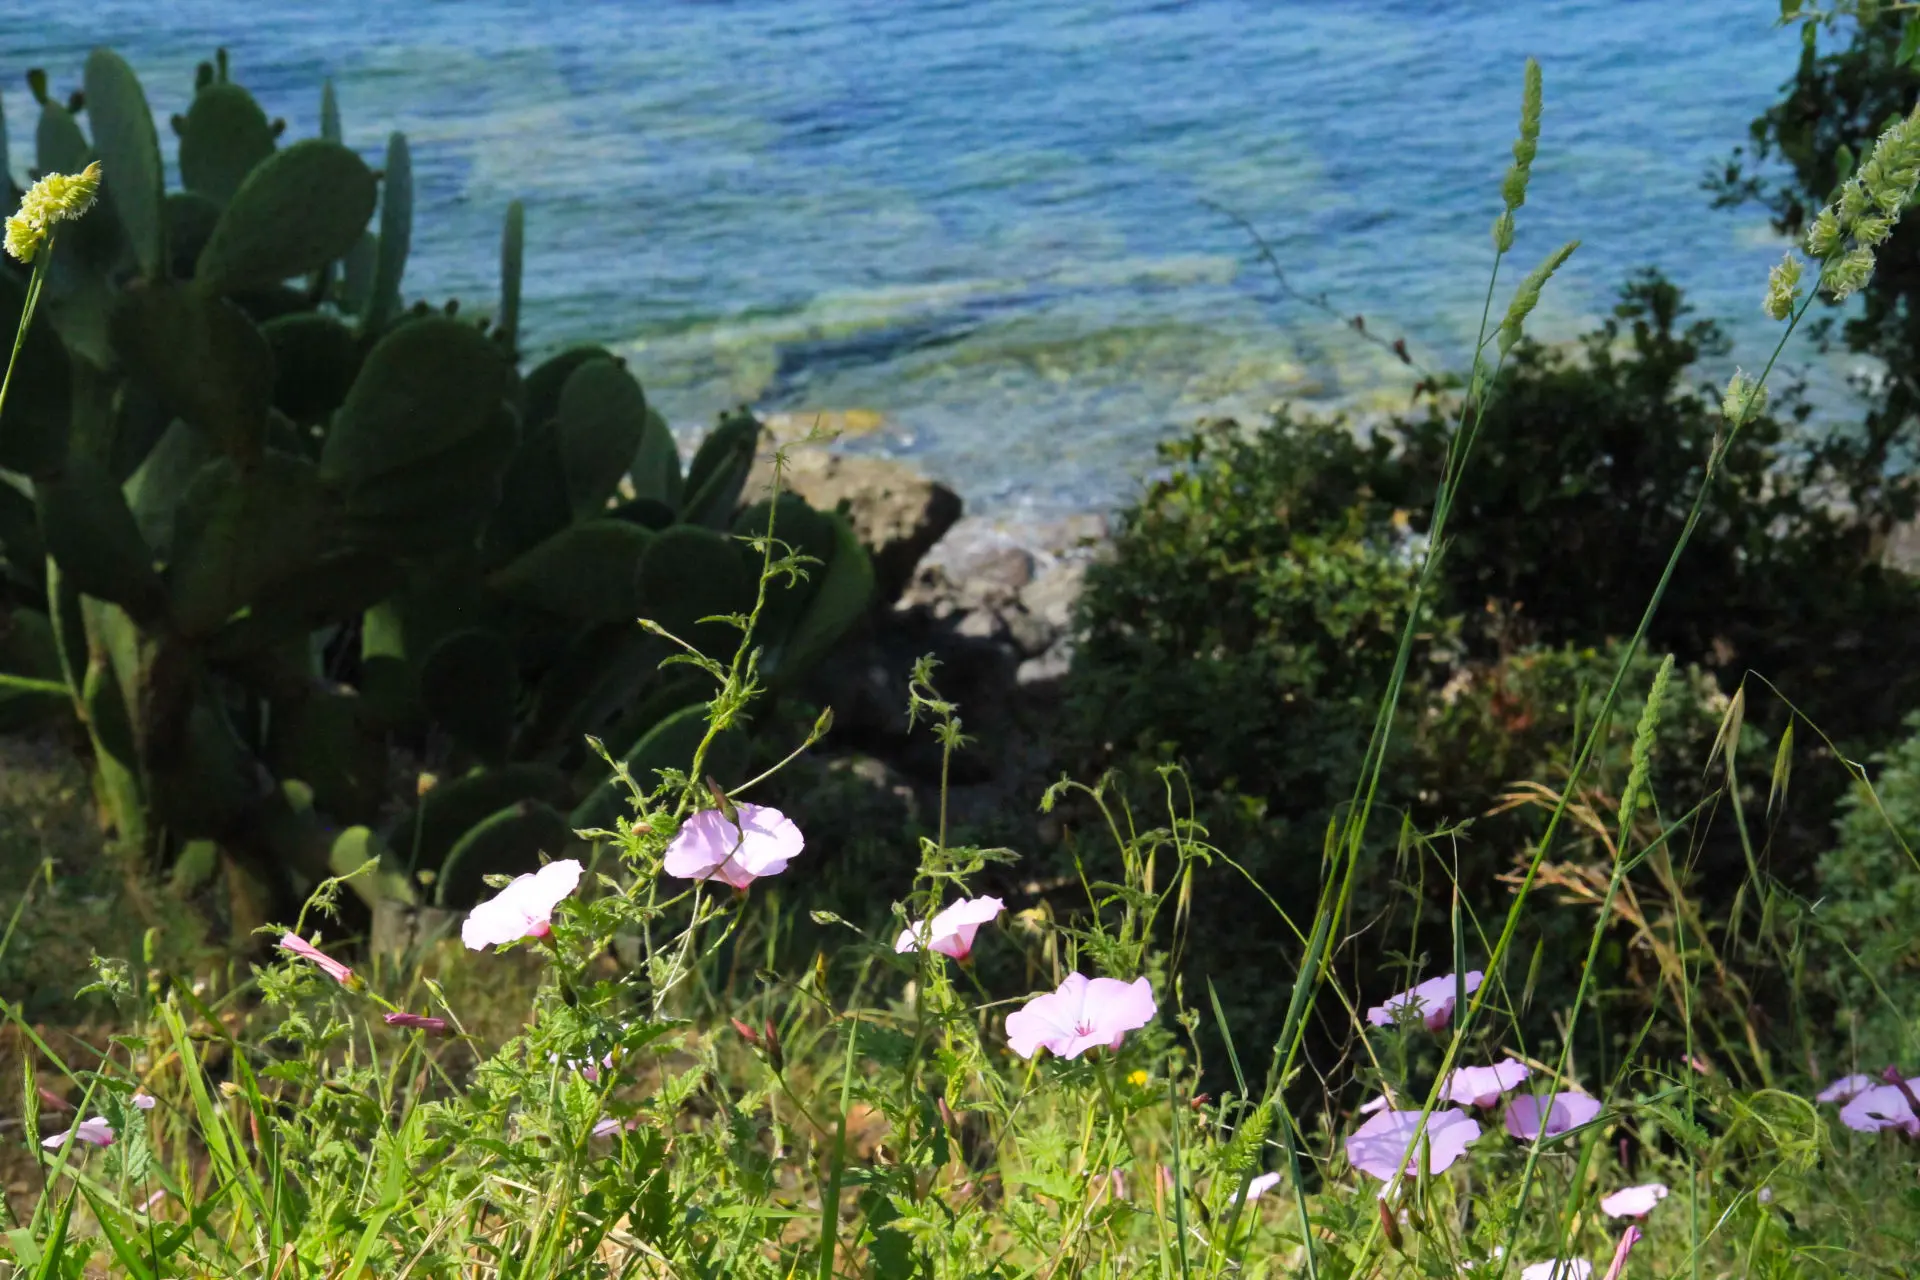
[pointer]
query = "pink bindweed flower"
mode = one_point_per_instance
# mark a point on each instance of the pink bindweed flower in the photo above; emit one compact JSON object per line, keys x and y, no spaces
{"x":95,"y":1132}
{"x":951,"y":931}
{"x":1378,"y":1104}
{"x":606,"y":1125}
{"x":1845,"y":1089}
{"x":143,"y":1100}
{"x":416,"y":1022}
{"x":1630,"y":1238}
{"x":1559,"y":1269}
{"x":709,"y":847}
{"x":1884,"y":1106}
{"x":1564,"y":1111}
{"x":524,"y":909}
{"x":1261,"y":1185}
{"x":1432,"y":1001}
{"x":1633,"y":1202}
{"x":1482,"y":1086}
{"x":1082,"y":1013}
{"x":1379,"y":1146}
{"x":589,"y":1069}
{"x":299,"y":946}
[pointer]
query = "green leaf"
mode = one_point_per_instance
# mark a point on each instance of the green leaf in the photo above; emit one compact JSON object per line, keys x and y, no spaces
{"x":224,"y":137}
{"x":1909,"y":42}
{"x":588,"y":571}
{"x":59,"y":146}
{"x":129,"y":148}
{"x":598,"y":429}
{"x":203,"y":357}
{"x":240,"y":532}
{"x":35,"y":429}
{"x":329,"y":113}
{"x":509,"y":843}
{"x":719,"y":470}
{"x":425,"y":834}
{"x":690,"y":574}
{"x":89,"y":529}
{"x":512,"y":259}
{"x":656,"y":464}
{"x":298,"y":211}
{"x":469,"y":683}
{"x":396,"y":236}
{"x":426,"y":386}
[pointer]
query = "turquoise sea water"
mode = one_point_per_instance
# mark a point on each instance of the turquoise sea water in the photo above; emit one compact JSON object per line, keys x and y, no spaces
{"x":989,"y":221}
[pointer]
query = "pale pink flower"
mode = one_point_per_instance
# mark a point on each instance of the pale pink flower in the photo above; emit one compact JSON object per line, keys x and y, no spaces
{"x":1482,"y":1086}
{"x":606,"y":1125}
{"x":1261,"y":1185}
{"x":589,"y":1069}
{"x":143,"y":1100}
{"x":951,"y":931}
{"x":1559,"y":1269}
{"x":1432,"y":1001}
{"x":299,"y":946}
{"x":1845,"y":1089}
{"x":1627,"y":1241}
{"x":1564,"y":1111}
{"x":1082,"y":1013}
{"x":1111,"y":1183}
{"x":152,"y":1202}
{"x":1634,"y":1202}
{"x":417,"y":1022}
{"x":708,"y":847}
{"x":1884,"y":1106}
{"x":1379,"y":1146}
{"x":1378,"y":1104}
{"x":524,"y":909}
{"x":95,"y":1132}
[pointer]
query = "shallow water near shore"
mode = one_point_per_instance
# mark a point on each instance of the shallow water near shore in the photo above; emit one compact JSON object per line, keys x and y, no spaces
{"x":989,"y":228}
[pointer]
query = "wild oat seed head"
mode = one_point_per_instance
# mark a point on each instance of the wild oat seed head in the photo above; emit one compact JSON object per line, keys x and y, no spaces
{"x":1848,"y":275}
{"x":1643,"y":740}
{"x":1503,"y":232}
{"x":23,"y":238}
{"x":1783,"y":287}
{"x":1743,"y":400}
{"x":1513,"y":189}
{"x":1527,"y":296}
{"x":1872,"y":231}
{"x":58,"y":197}
{"x":1823,"y":237}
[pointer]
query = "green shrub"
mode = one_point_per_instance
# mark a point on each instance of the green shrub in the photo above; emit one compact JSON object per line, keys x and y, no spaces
{"x":1867,"y":882}
{"x":1247,"y":624}
{"x":1584,"y":472}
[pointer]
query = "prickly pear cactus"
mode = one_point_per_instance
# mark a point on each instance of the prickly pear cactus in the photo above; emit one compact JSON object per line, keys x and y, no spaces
{"x":257,"y":533}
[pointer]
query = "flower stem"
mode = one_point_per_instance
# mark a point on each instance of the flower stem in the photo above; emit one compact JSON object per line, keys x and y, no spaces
{"x":26,"y":316}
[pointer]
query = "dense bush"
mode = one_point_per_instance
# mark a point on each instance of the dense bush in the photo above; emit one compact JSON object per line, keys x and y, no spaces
{"x":1248,"y":620}
{"x":1584,"y":472}
{"x":1867,"y":880}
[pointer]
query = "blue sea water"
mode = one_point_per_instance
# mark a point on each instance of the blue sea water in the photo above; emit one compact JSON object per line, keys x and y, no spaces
{"x":995,"y":223}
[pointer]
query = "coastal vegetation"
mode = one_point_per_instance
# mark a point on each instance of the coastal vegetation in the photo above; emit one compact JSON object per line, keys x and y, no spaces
{"x":1479,"y":840}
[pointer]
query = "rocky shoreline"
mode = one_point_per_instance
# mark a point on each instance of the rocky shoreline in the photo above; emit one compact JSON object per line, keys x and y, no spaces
{"x":992,"y":599}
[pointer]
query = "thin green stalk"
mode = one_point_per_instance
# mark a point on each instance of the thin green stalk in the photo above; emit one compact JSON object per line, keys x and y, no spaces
{"x":26,"y":315}
{"x":1468,"y":1013}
